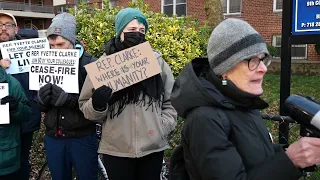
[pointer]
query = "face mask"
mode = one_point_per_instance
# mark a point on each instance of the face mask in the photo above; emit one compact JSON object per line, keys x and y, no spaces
{"x":132,"y":39}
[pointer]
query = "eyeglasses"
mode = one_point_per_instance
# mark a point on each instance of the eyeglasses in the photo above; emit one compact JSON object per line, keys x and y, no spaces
{"x":253,"y":63}
{"x":7,"y":26}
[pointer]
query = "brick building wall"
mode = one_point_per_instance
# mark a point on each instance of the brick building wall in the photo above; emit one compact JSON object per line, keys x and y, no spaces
{"x":124,"y":3}
{"x":259,"y":13}
{"x":194,"y":7}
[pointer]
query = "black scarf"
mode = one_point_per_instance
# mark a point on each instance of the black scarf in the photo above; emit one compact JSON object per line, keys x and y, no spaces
{"x":152,"y":88}
{"x":239,"y":98}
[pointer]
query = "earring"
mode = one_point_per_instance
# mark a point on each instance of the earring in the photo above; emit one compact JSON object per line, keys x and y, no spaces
{"x":224,"y":81}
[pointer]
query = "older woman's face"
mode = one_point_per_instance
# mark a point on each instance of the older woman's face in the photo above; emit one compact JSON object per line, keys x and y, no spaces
{"x":247,"y":80}
{"x":133,"y":26}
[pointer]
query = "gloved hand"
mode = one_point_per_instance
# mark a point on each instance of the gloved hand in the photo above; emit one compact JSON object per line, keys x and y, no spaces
{"x":100,"y":98}
{"x":13,"y":103}
{"x":44,"y":94}
{"x":59,"y":96}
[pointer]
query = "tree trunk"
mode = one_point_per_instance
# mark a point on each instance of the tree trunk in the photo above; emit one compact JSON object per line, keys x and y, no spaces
{"x":214,"y":12}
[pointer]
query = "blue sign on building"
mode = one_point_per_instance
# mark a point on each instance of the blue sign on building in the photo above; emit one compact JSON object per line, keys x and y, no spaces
{"x":306,"y":17}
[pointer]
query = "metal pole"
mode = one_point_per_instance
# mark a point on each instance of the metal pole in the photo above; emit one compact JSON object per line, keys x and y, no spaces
{"x":285,"y":67}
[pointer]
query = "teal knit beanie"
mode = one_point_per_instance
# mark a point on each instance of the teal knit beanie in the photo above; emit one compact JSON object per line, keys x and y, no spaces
{"x":125,"y":16}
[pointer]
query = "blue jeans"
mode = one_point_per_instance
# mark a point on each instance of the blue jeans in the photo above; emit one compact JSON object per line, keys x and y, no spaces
{"x":79,"y":152}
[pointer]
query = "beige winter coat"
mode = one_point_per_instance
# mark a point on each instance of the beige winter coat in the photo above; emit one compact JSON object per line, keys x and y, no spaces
{"x":137,"y":131}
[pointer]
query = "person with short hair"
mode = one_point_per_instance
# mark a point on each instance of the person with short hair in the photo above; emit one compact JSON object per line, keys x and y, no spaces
{"x":70,"y":139}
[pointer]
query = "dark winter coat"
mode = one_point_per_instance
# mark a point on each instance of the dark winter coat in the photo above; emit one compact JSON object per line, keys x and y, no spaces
{"x":209,"y":153}
{"x":69,"y":117}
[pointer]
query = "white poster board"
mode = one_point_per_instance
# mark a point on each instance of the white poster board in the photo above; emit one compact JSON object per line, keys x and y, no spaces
{"x":4,"y":109}
{"x":54,"y":66}
{"x":19,"y":53}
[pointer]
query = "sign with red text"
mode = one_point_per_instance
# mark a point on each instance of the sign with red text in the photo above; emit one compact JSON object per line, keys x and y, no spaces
{"x":124,"y":68}
{"x":54,"y":66}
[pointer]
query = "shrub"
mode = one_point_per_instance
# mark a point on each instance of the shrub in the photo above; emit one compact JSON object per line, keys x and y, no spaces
{"x":272,"y":50}
{"x":179,"y":39}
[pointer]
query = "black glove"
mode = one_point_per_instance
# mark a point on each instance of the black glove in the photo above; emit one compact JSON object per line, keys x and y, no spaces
{"x":100,"y":97}
{"x":13,"y":103}
{"x":44,"y":94}
{"x":59,"y":96}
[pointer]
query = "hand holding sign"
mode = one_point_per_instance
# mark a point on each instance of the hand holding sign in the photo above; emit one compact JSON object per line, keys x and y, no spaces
{"x":124,"y":68}
{"x":44,"y":94}
{"x":59,"y":97}
{"x":13,"y":103}
{"x":5,"y":63}
{"x":100,"y":98}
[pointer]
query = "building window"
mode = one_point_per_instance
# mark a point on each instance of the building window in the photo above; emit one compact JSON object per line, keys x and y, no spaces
{"x":61,"y":9}
{"x":178,"y":7}
{"x":40,"y":3}
{"x":231,"y":6}
{"x":27,"y":23}
{"x":277,"y":5}
{"x":298,"y":51}
{"x":26,"y":1}
{"x":41,"y":24}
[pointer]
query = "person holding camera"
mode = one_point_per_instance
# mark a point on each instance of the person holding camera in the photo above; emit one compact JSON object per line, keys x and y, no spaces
{"x":224,"y":136}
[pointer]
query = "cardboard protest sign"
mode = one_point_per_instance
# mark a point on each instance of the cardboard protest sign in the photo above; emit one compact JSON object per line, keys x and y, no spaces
{"x":19,"y":53}
{"x":124,"y":68}
{"x":4,"y":109}
{"x":54,"y":66}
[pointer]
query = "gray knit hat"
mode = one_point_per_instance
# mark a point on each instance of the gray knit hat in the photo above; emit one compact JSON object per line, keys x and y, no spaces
{"x":232,"y":41}
{"x":64,"y":25}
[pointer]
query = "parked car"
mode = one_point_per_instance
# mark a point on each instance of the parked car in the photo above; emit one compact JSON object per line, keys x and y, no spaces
{"x":28,"y":33}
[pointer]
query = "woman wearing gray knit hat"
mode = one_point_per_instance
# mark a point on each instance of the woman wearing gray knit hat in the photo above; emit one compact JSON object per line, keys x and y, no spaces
{"x":137,"y":119}
{"x":224,"y":136}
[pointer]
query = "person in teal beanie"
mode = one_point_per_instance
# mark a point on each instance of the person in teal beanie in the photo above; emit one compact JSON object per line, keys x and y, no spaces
{"x":136,"y":119}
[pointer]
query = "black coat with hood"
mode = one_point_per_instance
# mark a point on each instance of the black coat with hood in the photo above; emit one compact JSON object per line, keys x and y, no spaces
{"x":210,"y":154}
{"x":68,"y":117}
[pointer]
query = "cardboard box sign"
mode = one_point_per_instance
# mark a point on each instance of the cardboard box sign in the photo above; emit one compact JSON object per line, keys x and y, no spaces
{"x":124,"y":68}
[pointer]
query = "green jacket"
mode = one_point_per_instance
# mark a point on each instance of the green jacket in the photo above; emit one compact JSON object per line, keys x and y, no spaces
{"x":10,"y":133}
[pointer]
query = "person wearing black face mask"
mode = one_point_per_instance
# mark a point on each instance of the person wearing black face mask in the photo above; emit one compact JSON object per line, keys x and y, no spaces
{"x":137,"y":119}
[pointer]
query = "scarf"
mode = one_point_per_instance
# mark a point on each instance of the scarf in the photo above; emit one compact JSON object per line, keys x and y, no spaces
{"x":143,"y":93}
{"x":239,"y":98}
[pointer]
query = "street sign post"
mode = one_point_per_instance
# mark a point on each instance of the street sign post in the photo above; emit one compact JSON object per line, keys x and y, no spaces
{"x":300,"y":25}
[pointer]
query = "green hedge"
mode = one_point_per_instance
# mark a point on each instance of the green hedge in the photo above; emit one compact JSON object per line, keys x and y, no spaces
{"x":179,"y":39}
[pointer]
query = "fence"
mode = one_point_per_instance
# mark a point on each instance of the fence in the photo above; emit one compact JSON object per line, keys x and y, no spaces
{"x":273,"y":122}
